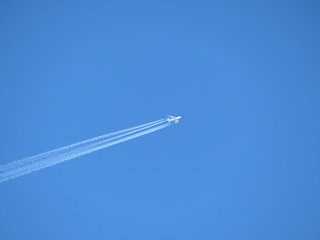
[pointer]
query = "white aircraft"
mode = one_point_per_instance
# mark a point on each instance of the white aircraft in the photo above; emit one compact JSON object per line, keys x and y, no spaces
{"x":172,"y":118}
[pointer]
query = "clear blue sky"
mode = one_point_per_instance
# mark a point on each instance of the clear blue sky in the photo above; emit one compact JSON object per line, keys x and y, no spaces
{"x":242,"y":164}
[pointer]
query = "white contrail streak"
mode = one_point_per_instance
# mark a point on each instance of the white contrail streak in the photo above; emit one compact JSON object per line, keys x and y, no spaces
{"x":50,"y":158}
{"x":78,"y":145}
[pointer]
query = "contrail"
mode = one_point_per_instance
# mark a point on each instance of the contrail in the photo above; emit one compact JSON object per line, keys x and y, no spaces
{"x":59,"y":155}
{"x":80,"y":144}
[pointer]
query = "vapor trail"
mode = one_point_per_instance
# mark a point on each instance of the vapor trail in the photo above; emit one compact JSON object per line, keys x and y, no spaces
{"x":76,"y":146}
{"x":50,"y":158}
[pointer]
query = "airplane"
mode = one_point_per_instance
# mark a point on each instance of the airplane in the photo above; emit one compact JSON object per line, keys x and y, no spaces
{"x":172,"y":118}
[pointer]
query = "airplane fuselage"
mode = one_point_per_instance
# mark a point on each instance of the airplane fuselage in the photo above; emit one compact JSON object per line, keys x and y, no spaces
{"x":173,"y":119}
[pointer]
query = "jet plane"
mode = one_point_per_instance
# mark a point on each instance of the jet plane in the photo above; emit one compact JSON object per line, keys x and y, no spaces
{"x":172,"y":118}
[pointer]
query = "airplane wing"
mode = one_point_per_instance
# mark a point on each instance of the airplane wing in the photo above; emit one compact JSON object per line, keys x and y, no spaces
{"x":170,"y":116}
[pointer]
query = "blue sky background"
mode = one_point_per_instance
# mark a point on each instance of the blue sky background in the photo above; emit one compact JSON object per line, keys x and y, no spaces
{"x":242,"y":164}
